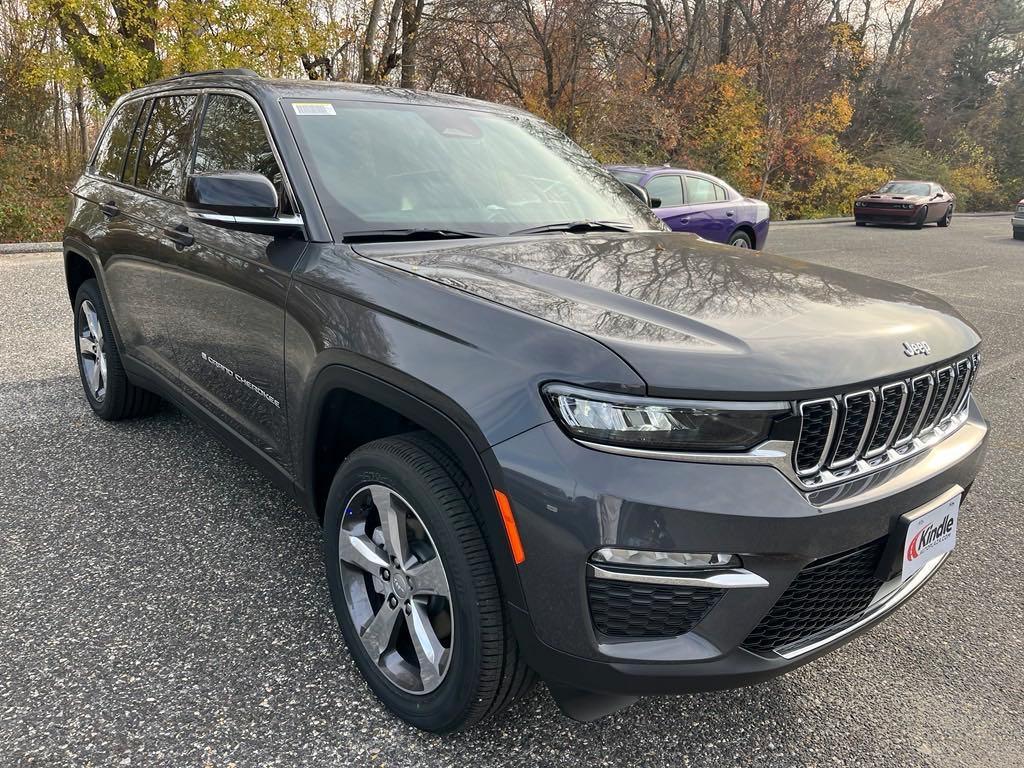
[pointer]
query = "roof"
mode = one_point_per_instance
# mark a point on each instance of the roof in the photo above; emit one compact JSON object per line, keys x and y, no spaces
{"x":250,"y":82}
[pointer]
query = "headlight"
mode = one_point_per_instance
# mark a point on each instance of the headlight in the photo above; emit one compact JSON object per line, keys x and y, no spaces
{"x":661,"y":425}
{"x":859,"y":203}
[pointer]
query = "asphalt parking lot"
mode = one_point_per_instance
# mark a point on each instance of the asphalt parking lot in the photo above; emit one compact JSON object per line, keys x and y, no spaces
{"x":162,"y":604}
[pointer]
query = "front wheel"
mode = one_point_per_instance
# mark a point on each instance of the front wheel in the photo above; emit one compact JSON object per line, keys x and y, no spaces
{"x":414,"y":589}
{"x":946,"y":220}
{"x":741,"y":240}
{"x":922,"y":217}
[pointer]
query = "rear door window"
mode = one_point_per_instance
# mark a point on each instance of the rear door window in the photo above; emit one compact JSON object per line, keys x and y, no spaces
{"x":161,"y":167}
{"x":668,"y":188}
{"x":113,"y":146}
{"x":699,"y":191}
{"x":128,"y":176}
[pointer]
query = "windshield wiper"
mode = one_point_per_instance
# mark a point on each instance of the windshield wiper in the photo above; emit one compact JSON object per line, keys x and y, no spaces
{"x":396,"y":235}
{"x":577,"y":226}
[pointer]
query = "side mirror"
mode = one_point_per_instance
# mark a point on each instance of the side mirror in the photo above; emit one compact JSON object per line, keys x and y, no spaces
{"x":237,"y":200}
{"x":641,"y":193}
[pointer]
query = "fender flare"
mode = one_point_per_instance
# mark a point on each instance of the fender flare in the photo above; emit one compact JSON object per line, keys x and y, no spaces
{"x":457,"y":434}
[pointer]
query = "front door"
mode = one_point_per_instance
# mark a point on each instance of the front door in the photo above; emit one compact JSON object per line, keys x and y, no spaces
{"x":230,"y":345}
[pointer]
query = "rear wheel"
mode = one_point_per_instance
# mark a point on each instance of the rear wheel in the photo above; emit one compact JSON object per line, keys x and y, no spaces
{"x":414,"y":588}
{"x":947,"y":219}
{"x":1018,"y":234}
{"x":107,"y":388}
{"x":741,"y":240}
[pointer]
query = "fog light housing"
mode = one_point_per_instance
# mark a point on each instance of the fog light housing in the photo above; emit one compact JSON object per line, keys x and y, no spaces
{"x":641,"y":558}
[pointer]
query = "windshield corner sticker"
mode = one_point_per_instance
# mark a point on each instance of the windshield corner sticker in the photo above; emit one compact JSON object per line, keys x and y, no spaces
{"x":241,"y":380}
{"x":313,"y":108}
{"x":930,"y":536}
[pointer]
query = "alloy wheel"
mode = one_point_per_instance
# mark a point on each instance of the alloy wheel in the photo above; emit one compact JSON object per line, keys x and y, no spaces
{"x":91,"y":351}
{"x":396,"y":589}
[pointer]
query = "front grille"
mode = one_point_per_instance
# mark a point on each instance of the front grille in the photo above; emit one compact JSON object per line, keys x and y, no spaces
{"x":648,"y":611}
{"x":836,"y":432}
{"x":825,"y":593}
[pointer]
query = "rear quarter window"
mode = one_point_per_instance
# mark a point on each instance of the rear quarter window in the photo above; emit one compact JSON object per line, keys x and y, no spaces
{"x":113,"y":146}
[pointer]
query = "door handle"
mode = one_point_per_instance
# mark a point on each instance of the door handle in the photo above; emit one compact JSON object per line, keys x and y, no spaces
{"x":179,"y":235}
{"x":110,"y":209}
{"x":685,"y":221}
{"x":730,"y":214}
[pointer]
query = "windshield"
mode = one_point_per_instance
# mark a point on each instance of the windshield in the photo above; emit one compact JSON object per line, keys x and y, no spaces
{"x":919,"y":188}
{"x":380,"y":166}
{"x":631,"y":177}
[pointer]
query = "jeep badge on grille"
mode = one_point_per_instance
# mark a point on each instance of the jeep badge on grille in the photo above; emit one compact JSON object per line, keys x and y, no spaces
{"x":911,"y":348}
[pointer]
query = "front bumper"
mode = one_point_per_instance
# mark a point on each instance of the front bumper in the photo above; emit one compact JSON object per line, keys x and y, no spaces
{"x":570,"y":500}
{"x":886,"y":215}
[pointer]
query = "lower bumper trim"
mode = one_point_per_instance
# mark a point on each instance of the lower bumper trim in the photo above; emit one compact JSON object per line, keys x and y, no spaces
{"x":887,"y":603}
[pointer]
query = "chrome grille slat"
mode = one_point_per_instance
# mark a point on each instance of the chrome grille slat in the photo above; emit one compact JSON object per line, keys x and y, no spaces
{"x":863,"y":430}
{"x":890,"y":414}
{"x":817,"y":427}
{"x":921,"y":394}
{"x":858,"y":415}
{"x":943,"y":387}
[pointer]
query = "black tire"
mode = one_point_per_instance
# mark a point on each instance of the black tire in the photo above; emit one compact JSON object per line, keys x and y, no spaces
{"x":861,"y":223}
{"x":947,"y":219}
{"x":121,"y":399}
{"x":922,"y":217}
{"x":741,"y":239}
{"x":1018,"y":234}
{"x":486,"y":671}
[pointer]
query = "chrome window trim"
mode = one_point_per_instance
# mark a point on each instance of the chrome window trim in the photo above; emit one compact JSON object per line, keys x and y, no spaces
{"x":734,"y":578}
{"x":897,"y":422}
{"x":828,"y":439}
{"x":839,"y":464}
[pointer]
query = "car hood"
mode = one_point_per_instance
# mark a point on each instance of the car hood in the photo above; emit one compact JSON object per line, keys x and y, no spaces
{"x":695,"y":318}
{"x":917,"y":199}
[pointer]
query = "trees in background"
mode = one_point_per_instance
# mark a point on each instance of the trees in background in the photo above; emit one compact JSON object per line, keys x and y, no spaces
{"x":804,"y":102}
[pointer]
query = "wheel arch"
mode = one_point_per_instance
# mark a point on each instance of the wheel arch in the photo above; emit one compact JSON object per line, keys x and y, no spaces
{"x":346,"y":408}
{"x":77,"y":269}
{"x":748,"y":230}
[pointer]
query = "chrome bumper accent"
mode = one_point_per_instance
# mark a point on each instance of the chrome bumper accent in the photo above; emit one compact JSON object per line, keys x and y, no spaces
{"x":734,"y":578}
{"x":887,"y":603}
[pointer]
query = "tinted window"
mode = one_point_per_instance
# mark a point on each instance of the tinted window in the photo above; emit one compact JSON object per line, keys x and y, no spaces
{"x":699,"y":191}
{"x":720,"y":193}
{"x":668,"y":189}
{"x":133,"y":149}
{"x":114,"y":144}
{"x":232,"y":138}
{"x":162,"y":159}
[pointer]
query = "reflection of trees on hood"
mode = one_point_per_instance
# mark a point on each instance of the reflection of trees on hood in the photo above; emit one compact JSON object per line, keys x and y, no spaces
{"x":567,"y":280}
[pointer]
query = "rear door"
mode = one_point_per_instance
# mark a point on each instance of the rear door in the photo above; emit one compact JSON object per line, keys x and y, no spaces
{"x":708,"y":210}
{"x":229,"y":322}
{"x":143,"y":274}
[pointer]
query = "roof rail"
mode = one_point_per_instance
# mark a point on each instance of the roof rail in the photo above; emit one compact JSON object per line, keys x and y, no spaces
{"x":238,"y":72}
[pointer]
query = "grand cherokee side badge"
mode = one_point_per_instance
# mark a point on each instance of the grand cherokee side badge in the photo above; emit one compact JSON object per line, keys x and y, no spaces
{"x":911,"y":348}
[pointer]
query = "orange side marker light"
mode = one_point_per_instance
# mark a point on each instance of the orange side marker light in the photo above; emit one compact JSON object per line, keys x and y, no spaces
{"x":510,"y":527}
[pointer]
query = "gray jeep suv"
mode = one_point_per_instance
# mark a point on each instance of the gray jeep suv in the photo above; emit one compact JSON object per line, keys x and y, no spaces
{"x":544,"y":436}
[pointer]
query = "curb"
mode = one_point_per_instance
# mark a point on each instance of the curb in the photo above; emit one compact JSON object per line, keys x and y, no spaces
{"x":14,"y":249}
{"x":849,"y":219}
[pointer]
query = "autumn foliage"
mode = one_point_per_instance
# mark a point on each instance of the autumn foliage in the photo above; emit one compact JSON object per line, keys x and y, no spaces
{"x":806,"y":103}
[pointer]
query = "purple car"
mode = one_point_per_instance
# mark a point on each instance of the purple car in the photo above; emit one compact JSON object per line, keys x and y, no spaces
{"x":690,"y":201}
